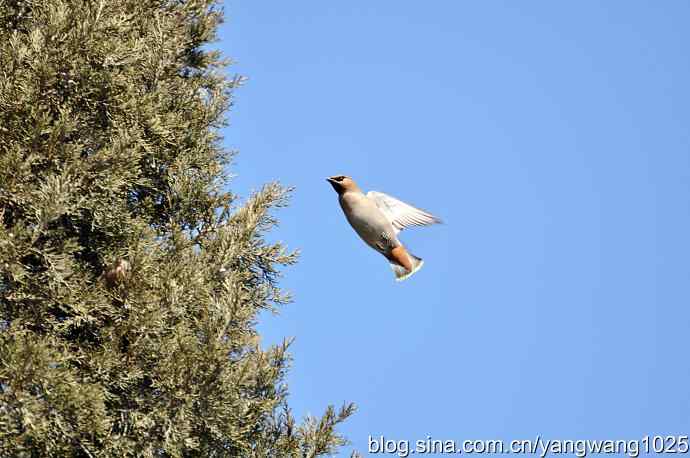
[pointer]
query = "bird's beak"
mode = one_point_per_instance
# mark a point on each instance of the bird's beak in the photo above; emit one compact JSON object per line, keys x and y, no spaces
{"x":335,"y":184}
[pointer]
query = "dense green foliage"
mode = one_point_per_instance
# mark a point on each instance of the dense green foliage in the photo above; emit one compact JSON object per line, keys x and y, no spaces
{"x":130,"y":279}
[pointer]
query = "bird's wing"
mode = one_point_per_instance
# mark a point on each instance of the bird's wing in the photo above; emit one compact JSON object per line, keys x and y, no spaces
{"x":400,"y":214}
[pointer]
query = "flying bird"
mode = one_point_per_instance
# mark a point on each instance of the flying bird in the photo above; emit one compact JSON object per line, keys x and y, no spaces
{"x":378,"y":218}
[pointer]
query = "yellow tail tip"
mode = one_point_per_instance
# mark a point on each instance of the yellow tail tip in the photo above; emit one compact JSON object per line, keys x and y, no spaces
{"x":403,"y":274}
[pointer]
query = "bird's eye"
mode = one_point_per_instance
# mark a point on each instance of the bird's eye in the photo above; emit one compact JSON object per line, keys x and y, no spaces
{"x":340,"y":178}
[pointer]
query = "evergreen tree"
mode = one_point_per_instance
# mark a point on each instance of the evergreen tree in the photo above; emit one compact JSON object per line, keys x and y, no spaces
{"x":130,"y":278}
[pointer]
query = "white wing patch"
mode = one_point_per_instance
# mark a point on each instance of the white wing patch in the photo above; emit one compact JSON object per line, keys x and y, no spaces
{"x":400,"y":214}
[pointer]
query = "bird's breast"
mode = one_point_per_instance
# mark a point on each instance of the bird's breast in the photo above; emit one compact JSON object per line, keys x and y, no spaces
{"x":369,"y":223}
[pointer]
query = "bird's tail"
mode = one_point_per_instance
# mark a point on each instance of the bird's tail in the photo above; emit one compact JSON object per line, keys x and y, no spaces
{"x":401,"y":273}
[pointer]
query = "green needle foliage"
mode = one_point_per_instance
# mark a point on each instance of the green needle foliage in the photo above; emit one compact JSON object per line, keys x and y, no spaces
{"x":130,"y":279}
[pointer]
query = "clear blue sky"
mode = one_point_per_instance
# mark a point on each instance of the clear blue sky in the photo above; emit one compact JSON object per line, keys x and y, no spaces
{"x":554,"y":140}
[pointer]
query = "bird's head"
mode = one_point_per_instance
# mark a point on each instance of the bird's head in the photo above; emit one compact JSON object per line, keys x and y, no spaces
{"x":342,"y":183}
